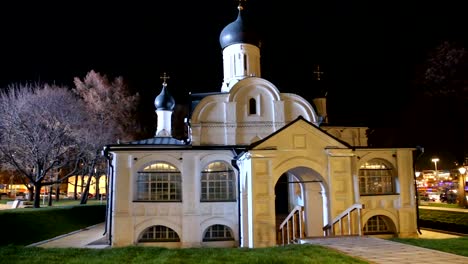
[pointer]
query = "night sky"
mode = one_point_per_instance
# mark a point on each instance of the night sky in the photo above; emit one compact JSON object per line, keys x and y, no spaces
{"x":368,"y":50}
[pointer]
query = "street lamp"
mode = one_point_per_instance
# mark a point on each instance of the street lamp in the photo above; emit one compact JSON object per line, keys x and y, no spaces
{"x":417,"y":181}
{"x":435,"y":160}
{"x":461,"y":187}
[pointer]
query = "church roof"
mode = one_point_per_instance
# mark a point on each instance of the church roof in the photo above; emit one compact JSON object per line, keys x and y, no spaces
{"x":238,"y":31}
{"x":164,"y":101}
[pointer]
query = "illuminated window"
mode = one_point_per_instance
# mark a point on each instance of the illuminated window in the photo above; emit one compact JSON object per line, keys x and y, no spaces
{"x":375,"y":177}
{"x":252,"y":106}
{"x":159,"y":182}
{"x":159,"y":233}
{"x":377,"y":225}
{"x":218,"y":182}
{"x":218,"y":233}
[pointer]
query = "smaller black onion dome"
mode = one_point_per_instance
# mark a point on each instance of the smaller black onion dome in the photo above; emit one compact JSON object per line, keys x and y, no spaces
{"x":238,"y":31}
{"x":164,"y":101}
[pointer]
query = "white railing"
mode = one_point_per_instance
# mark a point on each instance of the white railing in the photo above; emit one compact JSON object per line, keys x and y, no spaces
{"x":292,"y":227}
{"x":329,"y":230}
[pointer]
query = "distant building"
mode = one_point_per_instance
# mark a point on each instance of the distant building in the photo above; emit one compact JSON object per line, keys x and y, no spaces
{"x":252,"y":157}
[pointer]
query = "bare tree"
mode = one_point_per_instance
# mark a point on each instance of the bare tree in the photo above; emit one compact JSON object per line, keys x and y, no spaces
{"x":112,"y":110}
{"x":446,"y":78}
{"x":39,"y":131}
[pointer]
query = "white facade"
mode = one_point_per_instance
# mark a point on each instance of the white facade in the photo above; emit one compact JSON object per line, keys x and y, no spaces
{"x":252,"y":110}
{"x":255,"y":156}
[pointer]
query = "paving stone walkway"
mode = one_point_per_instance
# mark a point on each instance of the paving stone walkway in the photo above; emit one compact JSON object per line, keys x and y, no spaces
{"x":377,"y":250}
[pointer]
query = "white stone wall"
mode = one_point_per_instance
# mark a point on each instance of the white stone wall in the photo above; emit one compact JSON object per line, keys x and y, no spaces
{"x":400,"y":207}
{"x":189,"y":218}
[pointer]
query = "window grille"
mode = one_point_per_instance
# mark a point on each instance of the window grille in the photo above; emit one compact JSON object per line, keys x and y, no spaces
{"x":159,"y":182}
{"x":218,"y":182}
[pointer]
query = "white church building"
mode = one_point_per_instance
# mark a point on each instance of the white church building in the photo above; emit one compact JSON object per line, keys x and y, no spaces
{"x":259,"y":168}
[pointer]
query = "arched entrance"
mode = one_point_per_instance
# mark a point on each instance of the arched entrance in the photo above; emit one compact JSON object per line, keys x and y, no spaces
{"x":303,"y":187}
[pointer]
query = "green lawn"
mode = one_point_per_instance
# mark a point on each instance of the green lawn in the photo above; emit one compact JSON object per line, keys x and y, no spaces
{"x":291,"y":254}
{"x":458,"y":246}
{"x":444,"y":205}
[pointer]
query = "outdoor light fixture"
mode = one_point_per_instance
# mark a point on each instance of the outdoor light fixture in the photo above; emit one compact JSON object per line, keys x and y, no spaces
{"x":462,"y":170}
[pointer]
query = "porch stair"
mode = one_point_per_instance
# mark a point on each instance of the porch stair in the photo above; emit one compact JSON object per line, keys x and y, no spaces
{"x":292,"y":227}
{"x":292,"y":231}
{"x":342,"y":224}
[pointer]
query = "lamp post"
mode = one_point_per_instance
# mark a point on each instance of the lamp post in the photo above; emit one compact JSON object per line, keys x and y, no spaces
{"x":461,"y":187}
{"x":417,"y":174}
{"x":436,"y":175}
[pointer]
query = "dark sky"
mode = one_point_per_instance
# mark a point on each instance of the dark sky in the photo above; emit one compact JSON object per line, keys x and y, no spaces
{"x":368,"y":49}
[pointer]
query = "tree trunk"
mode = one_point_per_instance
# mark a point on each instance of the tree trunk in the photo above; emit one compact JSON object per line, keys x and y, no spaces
{"x":31,"y":193}
{"x":37,"y":195}
{"x":97,"y":197}
{"x":84,"y":194}
{"x":50,"y":196}
{"x":57,"y":193}
{"x":75,"y":188}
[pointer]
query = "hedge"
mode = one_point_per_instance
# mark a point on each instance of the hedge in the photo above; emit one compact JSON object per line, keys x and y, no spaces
{"x":29,"y":225}
{"x":444,"y":220}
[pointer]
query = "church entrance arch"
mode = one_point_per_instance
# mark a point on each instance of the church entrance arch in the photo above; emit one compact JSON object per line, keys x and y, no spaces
{"x":304,"y":187}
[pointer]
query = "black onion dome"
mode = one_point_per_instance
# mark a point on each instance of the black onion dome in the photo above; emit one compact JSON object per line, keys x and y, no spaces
{"x":164,"y":101}
{"x":238,"y":31}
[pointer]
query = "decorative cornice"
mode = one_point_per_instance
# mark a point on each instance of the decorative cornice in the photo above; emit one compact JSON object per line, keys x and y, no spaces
{"x":239,"y":124}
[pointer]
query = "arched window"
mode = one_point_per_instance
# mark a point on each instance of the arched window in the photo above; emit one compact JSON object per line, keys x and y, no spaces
{"x":159,"y":182}
{"x":159,"y":233}
{"x":217,"y":233}
{"x":218,"y":182}
{"x":375,"y":177}
{"x":252,"y":106}
{"x":378,"y":224}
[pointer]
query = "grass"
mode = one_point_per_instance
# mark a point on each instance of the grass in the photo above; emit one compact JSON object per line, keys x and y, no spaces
{"x":444,"y":205}
{"x":291,"y":254}
{"x":458,"y":246}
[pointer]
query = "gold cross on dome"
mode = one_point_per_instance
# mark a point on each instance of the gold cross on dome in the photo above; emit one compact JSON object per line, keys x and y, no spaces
{"x":164,"y":78}
{"x":318,"y":73}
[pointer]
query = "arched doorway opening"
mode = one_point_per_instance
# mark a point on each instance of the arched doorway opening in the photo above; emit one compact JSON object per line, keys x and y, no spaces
{"x":303,"y":188}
